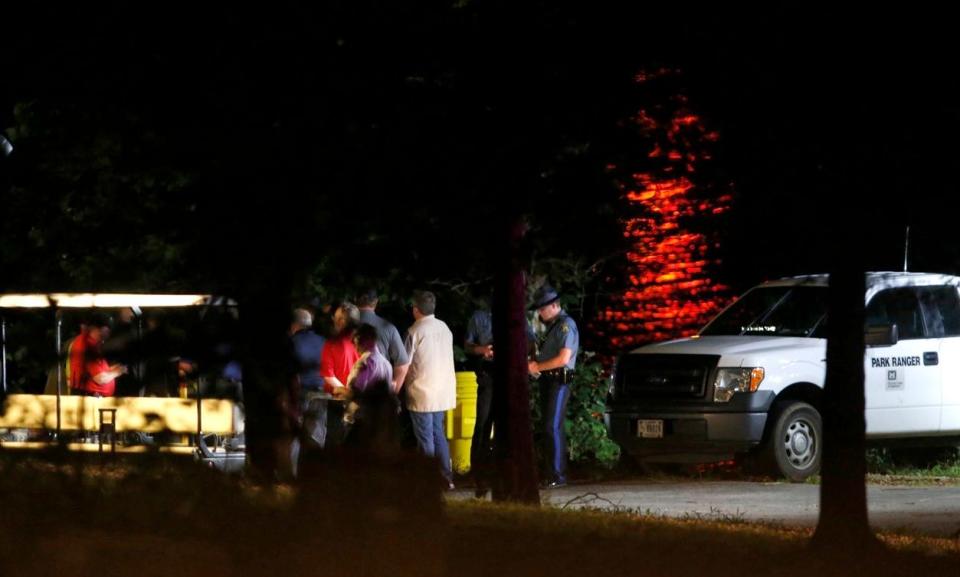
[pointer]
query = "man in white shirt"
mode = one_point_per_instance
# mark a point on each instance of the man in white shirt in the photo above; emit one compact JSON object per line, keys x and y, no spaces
{"x":431,"y":381}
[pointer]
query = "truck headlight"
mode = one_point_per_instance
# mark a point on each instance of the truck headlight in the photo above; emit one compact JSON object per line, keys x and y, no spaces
{"x":736,"y":380}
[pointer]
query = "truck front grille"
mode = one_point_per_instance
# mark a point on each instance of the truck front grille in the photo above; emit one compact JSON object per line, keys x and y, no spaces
{"x":641,"y":376}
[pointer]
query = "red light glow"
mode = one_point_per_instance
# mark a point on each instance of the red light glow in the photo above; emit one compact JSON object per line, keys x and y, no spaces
{"x":669,"y":292}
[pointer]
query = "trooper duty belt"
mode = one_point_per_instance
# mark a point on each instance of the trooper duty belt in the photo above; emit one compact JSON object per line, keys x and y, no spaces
{"x":560,"y":375}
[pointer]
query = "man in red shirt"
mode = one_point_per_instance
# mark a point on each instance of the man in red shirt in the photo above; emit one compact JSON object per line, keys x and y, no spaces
{"x":340,"y":354}
{"x":89,"y":373}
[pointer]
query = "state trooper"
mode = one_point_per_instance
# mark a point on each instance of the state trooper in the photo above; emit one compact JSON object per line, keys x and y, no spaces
{"x":478,"y":344}
{"x":553,"y":367}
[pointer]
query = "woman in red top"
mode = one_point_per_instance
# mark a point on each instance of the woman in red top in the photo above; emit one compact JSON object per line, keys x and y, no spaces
{"x":340,"y":354}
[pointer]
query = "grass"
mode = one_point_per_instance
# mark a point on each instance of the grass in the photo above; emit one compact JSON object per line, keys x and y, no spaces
{"x":521,"y":540}
{"x":722,"y":529}
{"x":71,"y":515}
{"x":915,"y":467}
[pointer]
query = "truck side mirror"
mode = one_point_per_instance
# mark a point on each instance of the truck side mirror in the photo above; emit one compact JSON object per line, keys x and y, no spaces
{"x":881,"y":335}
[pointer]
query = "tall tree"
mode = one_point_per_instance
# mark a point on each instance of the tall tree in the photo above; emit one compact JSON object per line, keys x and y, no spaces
{"x":849,"y":175}
{"x":843,"y":523}
{"x":516,"y":464}
{"x":843,"y":506}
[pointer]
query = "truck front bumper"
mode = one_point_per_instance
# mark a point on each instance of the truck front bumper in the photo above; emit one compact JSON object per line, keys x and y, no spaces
{"x":691,"y":432}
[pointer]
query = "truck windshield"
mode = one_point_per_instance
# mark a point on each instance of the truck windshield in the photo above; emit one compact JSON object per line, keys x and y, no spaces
{"x":774,"y":311}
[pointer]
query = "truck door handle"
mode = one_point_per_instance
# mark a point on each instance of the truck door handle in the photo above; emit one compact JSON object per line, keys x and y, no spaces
{"x":930,"y":359}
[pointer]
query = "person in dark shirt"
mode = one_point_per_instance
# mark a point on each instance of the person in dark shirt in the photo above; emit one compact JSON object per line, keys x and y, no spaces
{"x":307,"y":350}
{"x":478,"y":344}
{"x":307,"y":347}
{"x":388,"y":337}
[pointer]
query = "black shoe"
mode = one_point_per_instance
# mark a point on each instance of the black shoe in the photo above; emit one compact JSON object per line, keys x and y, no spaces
{"x":555,"y":484}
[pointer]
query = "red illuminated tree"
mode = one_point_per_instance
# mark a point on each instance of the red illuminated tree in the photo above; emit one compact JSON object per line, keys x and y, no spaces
{"x":672,"y":225}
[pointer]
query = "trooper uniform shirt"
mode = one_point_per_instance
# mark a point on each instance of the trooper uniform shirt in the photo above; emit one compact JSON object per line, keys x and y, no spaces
{"x":480,"y":333}
{"x":562,"y":333}
{"x":480,"y":328}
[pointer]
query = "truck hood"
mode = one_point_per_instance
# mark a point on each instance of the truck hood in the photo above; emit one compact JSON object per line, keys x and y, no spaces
{"x":733,"y":346}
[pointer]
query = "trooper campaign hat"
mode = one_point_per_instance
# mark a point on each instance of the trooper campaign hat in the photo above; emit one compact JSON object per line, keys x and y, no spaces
{"x":545,"y":295}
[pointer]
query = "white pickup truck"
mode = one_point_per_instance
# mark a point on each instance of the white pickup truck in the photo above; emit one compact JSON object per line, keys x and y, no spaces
{"x":751,"y":382}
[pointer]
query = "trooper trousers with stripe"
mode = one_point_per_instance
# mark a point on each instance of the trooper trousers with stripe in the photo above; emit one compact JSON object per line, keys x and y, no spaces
{"x":553,"y":410}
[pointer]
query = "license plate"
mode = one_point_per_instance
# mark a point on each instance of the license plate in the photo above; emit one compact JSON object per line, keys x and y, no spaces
{"x":650,"y":428}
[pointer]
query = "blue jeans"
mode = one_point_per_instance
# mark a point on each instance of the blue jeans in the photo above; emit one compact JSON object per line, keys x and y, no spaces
{"x":314,"y":411}
{"x":428,"y":428}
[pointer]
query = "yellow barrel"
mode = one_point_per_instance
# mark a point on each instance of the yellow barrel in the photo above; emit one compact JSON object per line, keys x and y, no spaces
{"x":460,"y":421}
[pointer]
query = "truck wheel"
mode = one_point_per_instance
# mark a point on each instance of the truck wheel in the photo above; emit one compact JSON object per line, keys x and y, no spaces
{"x":796,"y":441}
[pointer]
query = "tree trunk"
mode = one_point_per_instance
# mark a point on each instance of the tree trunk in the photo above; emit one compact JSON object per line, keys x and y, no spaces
{"x":843,"y":524}
{"x":266,"y":374}
{"x":515,"y":457}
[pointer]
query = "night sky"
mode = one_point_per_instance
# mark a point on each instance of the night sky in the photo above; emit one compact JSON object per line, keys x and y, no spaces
{"x":818,"y":108}
{"x":833,"y":126}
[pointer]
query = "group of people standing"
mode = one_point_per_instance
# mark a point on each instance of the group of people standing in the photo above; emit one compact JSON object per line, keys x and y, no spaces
{"x":351,"y":384}
{"x":351,"y":381}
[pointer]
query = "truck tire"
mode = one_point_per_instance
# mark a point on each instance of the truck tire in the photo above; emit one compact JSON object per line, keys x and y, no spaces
{"x":795,"y":445}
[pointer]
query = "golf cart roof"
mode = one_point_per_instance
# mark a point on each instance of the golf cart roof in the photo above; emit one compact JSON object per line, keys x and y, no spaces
{"x":107,"y":300}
